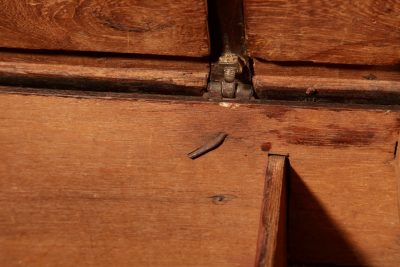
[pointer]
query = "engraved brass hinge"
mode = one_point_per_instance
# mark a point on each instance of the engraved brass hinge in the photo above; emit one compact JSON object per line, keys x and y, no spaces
{"x":230,"y":78}
{"x":230,"y":75}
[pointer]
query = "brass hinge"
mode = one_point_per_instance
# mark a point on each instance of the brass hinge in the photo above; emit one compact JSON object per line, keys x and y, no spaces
{"x":230,"y":78}
{"x":230,"y":75}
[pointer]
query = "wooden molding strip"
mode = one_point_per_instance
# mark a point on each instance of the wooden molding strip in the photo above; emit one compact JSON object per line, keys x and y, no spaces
{"x":272,"y":239}
{"x":104,"y":73}
{"x":328,"y":83}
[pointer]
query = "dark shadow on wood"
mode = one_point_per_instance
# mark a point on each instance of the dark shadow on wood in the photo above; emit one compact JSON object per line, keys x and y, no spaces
{"x":226,"y":26}
{"x":65,"y":82}
{"x":314,"y":239}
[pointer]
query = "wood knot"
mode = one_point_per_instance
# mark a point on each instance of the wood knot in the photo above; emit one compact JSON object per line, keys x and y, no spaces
{"x":370,"y":77}
{"x":222,"y":199}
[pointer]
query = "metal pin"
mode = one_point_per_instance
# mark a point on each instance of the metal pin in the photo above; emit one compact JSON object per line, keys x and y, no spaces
{"x":210,"y":145}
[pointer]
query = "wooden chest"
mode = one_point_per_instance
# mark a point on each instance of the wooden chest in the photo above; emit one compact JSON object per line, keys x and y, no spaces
{"x":199,"y":133}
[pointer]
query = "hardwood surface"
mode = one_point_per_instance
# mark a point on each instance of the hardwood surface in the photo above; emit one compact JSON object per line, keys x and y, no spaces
{"x":360,"y":84}
{"x":100,"y":180}
{"x":347,"y":31}
{"x":272,"y":240}
{"x":159,"y":27}
{"x":397,"y":168}
{"x":104,"y":72}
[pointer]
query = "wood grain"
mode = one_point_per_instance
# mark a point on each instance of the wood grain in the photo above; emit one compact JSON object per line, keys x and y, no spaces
{"x":105,"y":180}
{"x":272,"y":239}
{"x":158,"y":27}
{"x":104,"y":73}
{"x":397,"y":168}
{"x":315,"y":82}
{"x":347,"y":31}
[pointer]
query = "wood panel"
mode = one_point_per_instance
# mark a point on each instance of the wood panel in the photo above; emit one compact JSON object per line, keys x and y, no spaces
{"x":159,"y":27}
{"x":316,"y":82}
{"x":348,"y":31}
{"x":104,"y":179}
{"x":397,"y":168}
{"x":104,"y":72}
{"x":272,"y":240}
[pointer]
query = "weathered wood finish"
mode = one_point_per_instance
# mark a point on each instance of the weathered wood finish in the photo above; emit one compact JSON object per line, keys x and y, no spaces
{"x":159,"y":27}
{"x":272,"y":240}
{"x":348,"y":31}
{"x":97,"y":183}
{"x":397,"y":168}
{"x":104,"y":73}
{"x":373,"y":84}
{"x":102,"y":181}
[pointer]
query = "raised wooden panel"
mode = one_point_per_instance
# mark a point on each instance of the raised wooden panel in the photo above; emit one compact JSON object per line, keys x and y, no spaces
{"x":346,"y":31}
{"x":159,"y":27}
{"x":104,"y":179}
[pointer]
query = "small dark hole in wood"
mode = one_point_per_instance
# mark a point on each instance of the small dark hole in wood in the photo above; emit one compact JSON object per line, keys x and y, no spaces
{"x":370,"y":77}
{"x":221,"y":199}
{"x":266,"y":146}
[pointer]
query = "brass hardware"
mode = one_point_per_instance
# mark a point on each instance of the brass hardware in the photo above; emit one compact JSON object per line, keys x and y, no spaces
{"x":228,"y":78}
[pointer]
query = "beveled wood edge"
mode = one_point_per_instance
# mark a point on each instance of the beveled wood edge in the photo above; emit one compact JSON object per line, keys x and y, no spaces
{"x":271,"y":248}
{"x":397,"y":170}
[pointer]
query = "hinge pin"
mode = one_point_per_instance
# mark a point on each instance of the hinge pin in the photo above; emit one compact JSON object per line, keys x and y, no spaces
{"x":228,"y":80}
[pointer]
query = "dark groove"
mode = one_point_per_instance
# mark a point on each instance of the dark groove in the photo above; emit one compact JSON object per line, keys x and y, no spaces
{"x":98,"y":85}
{"x":226,"y":25}
{"x":347,"y":97}
{"x":190,"y":99}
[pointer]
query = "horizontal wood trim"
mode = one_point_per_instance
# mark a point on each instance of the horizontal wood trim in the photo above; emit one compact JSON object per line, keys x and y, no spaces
{"x":104,"y":73}
{"x":162,"y":27}
{"x":102,"y":180}
{"x":362,"y":84}
{"x":344,"y":32}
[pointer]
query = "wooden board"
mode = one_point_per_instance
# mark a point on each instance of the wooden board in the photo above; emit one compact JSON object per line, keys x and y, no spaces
{"x":397,"y":168}
{"x":315,"y":82}
{"x":272,"y":239}
{"x":118,"y":73}
{"x":102,"y":179}
{"x":347,"y":31}
{"x":159,"y":27}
